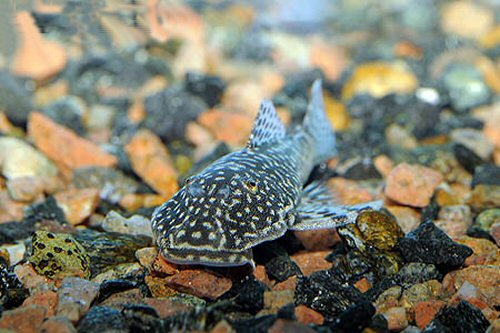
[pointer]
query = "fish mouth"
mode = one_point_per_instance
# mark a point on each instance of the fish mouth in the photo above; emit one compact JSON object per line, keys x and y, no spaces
{"x":186,"y":256}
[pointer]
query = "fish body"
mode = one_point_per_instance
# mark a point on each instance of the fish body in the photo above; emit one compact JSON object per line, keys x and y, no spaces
{"x":255,"y":194}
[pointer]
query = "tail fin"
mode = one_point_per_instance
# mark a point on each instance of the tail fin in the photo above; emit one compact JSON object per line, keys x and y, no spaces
{"x":317,"y":125}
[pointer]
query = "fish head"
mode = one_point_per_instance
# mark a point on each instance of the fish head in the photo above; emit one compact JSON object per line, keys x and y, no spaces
{"x":217,"y":217}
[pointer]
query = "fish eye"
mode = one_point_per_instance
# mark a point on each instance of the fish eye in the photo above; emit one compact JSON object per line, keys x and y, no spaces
{"x":188,"y":180}
{"x":251,"y":185}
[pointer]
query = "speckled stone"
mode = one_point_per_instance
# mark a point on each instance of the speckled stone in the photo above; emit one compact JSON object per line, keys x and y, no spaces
{"x":58,"y":255}
{"x":75,"y":297}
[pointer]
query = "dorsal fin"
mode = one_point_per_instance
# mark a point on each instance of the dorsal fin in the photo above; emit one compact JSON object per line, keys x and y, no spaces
{"x":267,"y":126}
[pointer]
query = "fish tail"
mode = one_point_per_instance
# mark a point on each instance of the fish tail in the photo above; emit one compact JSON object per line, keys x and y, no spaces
{"x":318,"y":126}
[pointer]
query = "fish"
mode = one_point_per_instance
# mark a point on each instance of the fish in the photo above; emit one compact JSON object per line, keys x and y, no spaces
{"x":255,"y":194}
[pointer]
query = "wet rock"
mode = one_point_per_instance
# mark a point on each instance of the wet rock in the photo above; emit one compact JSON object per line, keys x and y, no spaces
{"x":281,"y":268}
{"x":158,"y":287}
{"x":208,"y":88}
{"x":47,"y":210}
{"x":310,"y":262}
{"x":150,"y":159}
{"x":78,"y":204}
{"x":75,"y":297}
{"x":407,"y":218}
{"x":355,"y":318}
{"x":68,"y":112}
{"x":15,"y":98}
{"x":487,"y":174}
{"x":380,"y":79}
{"x":323,"y":292}
{"x":134,"y":225}
{"x":467,"y":19}
{"x":154,"y":262}
{"x":308,"y":316}
{"x":15,"y":253}
{"x":495,"y":232}
{"x":419,"y":292}
{"x":372,"y":230}
{"x":425,"y":312}
{"x":231,"y":127}
{"x":466,"y":87}
{"x":274,"y":300}
{"x":46,"y":299}
{"x":58,"y":255}
{"x":112,"y":184}
{"x":317,"y":240}
{"x":483,"y":249}
{"x":282,"y":326}
{"x":106,"y":250}
{"x":169,"y":111}
{"x":484,"y":277}
{"x":166,"y":307}
{"x":363,"y":169}
{"x":429,"y":244}
{"x":467,"y":158}
{"x":57,"y":325}
{"x":25,"y":189}
{"x":487,"y":218}
{"x":114,"y":286}
{"x":454,"y":220}
{"x":484,"y":197}
{"x":24,"y":320}
{"x":396,"y":318}
{"x":199,"y":283}
{"x":29,"y":278}
{"x":19,"y":159}
{"x":12,"y":231}
{"x":474,"y":140}
{"x":102,"y":318}
{"x":48,"y":137}
{"x":412,"y":185}
{"x":247,"y":294}
{"x":461,"y":318}
{"x":121,"y":271}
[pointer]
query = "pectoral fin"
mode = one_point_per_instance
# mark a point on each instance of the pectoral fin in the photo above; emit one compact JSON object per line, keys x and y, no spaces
{"x":319,"y":209}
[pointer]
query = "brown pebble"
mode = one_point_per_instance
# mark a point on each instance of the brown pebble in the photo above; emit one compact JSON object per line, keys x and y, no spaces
{"x":199,"y":283}
{"x":412,"y":184}
{"x":24,"y":319}
{"x":308,"y":316}
{"x":426,"y":311}
{"x":310,"y":262}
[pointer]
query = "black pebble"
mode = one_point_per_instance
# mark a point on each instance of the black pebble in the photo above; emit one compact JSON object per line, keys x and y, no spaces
{"x":462,"y":318}
{"x":110,"y":287}
{"x":248,"y":294}
{"x":102,"y":318}
{"x":486,"y":174}
{"x":209,"y":88}
{"x":467,"y":158}
{"x":354,"y":318}
{"x":281,"y":268}
{"x":324,"y":292}
{"x":429,"y":244}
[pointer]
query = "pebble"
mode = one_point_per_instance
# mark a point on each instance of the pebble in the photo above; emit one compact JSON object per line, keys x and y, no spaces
{"x":199,"y":283}
{"x":18,"y":159}
{"x":283,"y":326}
{"x":317,"y":240}
{"x":113,"y":185}
{"x":102,"y":319}
{"x":78,"y":204}
{"x":67,"y":111}
{"x":36,"y":57}
{"x":467,"y":19}
{"x":169,"y":111}
{"x":57,"y":325}
{"x":15,"y":98}
{"x":483,"y":249}
{"x":24,"y":319}
{"x":44,"y":298}
{"x":474,"y":140}
{"x":16,"y":252}
{"x":310,"y":262}
{"x":25,"y":189}
{"x":396,"y":318}
{"x":454,"y":220}
{"x":308,"y":316}
{"x":228,"y":126}
{"x":466,"y":86}
{"x":463,"y":317}
{"x":29,"y":278}
{"x":119,"y":271}
{"x":484,"y":197}
{"x":408,"y":218}
{"x":78,"y":152}
{"x":281,"y":268}
{"x":151,"y":160}
{"x":379,"y":79}
{"x":75,"y":297}
{"x":134,"y":225}
{"x":167,"y":307}
{"x":244,"y":97}
{"x":495,"y":232}
{"x":274,"y":300}
{"x":207,"y":87}
{"x":425,"y":312}
{"x":159,"y":287}
{"x":58,"y":255}
{"x":288,"y":284}
{"x":429,"y":244}
{"x":487,"y":218}
{"x":412,"y":185}
{"x":486,"y":174}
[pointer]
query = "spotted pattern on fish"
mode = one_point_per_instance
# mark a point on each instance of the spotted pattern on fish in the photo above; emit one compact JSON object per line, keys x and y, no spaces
{"x":252,"y":195}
